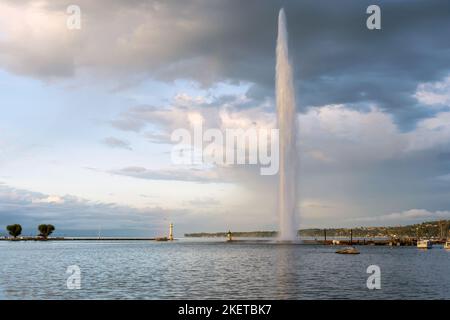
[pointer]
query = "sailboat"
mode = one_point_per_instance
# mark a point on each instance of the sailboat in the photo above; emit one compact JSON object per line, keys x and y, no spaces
{"x":424,"y":244}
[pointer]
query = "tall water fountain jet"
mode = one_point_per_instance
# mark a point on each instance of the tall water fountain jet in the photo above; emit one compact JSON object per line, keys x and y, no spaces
{"x":287,"y":125}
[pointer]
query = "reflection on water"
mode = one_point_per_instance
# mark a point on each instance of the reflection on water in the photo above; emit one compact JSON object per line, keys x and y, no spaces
{"x":286,"y":276}
{"x":217,"y":270}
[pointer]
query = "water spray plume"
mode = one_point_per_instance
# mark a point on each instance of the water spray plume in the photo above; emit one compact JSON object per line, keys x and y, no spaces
{"x":287,"y":124}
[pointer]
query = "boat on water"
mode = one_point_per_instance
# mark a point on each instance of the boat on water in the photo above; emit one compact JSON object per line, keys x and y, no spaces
{"x":424,"y":244}
{"x":447,"y":244}
{"x":348,"y":250}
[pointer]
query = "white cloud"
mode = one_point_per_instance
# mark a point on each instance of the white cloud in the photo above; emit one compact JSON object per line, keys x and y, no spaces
{"x":185,"y":174}
{"x":345,"y":134}
{"x":36,"y":40}
{"x":319,"y":155}
{"x":338,"y":133}
{"x":430,"y":133}
{"x":434,"y":93}
{"x":207,"y":202}
{"x":330,"y":134}
{"x":50,"y":199}
{"x":115,"y":38}
{"x":117,"y":143}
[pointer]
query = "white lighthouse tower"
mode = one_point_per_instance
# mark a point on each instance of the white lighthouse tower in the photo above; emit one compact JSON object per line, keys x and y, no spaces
{"x":171,"y":232}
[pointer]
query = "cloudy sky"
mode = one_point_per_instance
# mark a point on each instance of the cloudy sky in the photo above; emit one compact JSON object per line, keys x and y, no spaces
{"x":86,"y":115}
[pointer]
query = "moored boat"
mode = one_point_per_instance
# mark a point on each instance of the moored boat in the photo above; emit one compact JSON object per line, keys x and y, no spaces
{"x":424,"y":244}
{"x":348,"y":250}
{"x":447,"y":244}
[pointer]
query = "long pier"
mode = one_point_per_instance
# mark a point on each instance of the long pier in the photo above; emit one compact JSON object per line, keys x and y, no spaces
{"x":83,"y":239}
{"x":106,"y":239}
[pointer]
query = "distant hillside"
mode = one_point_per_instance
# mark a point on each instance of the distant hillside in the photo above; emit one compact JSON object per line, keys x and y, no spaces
{"x":431,"y":229}
{"x":250,"y":234}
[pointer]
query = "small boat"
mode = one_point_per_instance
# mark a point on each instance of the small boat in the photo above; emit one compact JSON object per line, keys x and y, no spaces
{"x":447,"y":244}
{"x":424,"y":244}
{"x":348,"y":250}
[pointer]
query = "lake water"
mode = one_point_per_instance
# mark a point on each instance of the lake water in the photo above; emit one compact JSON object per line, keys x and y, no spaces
{"x":187,"y":269}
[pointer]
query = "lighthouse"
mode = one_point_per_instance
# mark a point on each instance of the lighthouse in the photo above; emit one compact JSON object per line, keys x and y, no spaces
{"x":229,"y":236}
{"x":171,"y":232}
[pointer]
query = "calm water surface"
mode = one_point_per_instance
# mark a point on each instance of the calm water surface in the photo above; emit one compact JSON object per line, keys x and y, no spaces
{"x":216,"y":270}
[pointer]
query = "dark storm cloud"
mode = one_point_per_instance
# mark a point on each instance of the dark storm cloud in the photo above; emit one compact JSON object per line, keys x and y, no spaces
{"x":336,"y":58}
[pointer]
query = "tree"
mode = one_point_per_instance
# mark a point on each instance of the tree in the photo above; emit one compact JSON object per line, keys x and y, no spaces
{"x":45,"y":230}
{"x":14,"y":230}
